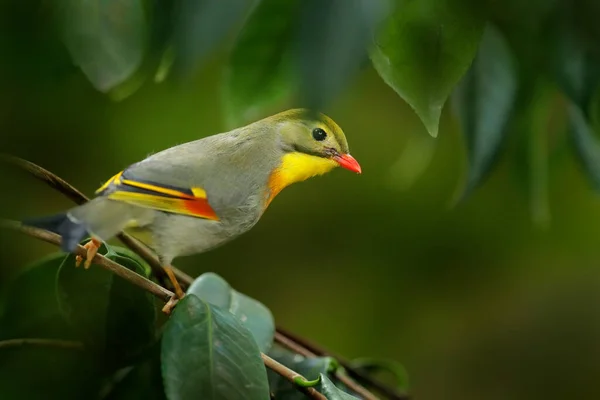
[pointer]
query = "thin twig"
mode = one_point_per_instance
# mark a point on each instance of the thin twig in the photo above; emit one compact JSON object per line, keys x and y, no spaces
{"x":99,"y":259}
{"x":139,"y":281}
{"x":291,"y":376}
{"x":306,"y":348}
{"x":63,"y":344}
{"x":283,"y":337}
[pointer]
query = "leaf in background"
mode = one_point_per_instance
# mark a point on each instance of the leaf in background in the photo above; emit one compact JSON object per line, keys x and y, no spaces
{"x":31,"y":308}
{"x":310,"y":368}
{"x":254,"y":315}
{"x":484,"y":101}
{"x":201,"y":25}
{"x":334,"y":37}
{"x":586,"y":143}
{"x":576,"y":67}
{"x":208,"y":354}
{"x":49,"y":373}
{"x":371,"y":365}
{"x":113,"y":317}
{"x":107,"y":39}
{"x":414,"y":160}
{"x":259,"y":77}
{"x":424,"y":49}
{"x":331,"y":391}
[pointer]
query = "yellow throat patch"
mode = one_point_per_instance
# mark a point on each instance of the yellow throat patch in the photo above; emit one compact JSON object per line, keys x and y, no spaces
{"x":297,"y":167}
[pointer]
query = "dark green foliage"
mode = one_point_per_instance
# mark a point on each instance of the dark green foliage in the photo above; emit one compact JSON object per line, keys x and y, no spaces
{"x":113,"y":318}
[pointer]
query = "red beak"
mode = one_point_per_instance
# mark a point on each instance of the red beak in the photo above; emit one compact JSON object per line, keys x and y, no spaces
{"x":348,"y":162}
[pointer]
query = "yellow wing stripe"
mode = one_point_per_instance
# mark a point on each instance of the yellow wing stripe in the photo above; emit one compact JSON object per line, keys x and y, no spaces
{"x":195,"y":207}
{"x":160,"y":189}
{"x":116,"y":178}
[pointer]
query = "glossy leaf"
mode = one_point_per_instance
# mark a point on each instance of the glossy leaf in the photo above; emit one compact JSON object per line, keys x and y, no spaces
{"x":201,"y":25}
{"x":310,"y":368}
{"x":254,"y":315}
{"x":31,"y":308}
{"x":423,"y":51}
{"x":334,"y":37}
{"x":107,"y":39}
{"x":113,"y":317}
{"x":259,"y":77}
{"x":484,"y":101}
{"x":331,"y":391}
{"x":208,"y":354}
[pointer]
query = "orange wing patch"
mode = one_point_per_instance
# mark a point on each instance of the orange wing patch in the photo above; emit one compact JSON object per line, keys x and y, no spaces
{"x":192,"y":202}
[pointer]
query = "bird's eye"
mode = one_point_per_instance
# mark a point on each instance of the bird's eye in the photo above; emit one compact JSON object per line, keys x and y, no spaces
{"x":319,"y":134}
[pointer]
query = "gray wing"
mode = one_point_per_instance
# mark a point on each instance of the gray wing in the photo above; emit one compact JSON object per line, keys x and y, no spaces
{"x":229,"y":166}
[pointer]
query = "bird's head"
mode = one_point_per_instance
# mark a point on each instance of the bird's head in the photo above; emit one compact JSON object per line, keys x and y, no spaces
{"x":314,"y":140}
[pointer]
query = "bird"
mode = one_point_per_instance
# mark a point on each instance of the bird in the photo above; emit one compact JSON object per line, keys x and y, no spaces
{"x":196,"y":196}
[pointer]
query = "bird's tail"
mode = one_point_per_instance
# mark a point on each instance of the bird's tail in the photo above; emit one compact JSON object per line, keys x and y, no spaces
{"x":101,"y":217}
{"x":71,"y":231}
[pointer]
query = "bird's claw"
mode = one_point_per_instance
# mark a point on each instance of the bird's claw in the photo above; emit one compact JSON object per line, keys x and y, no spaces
{"x":171,"y":304}
{"x":92,"y":248}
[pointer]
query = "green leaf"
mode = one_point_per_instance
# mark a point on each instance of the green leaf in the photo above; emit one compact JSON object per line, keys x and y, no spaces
{"x":258,"y":77}
{"x":310,"y":368}
{"x":484,"y":102}
{"x":254,"y":315}
{"x":113,"y":317}
{"x":31,"y":308}
{"x":200,"y":25}
{"x":208,"y":354}
{"x":107,"y":39}
{"x":586,"y":143}
{"x":331,"y":391}
{"x":332,"y":54}
{"x":576,"y":67}
{"x":424,"y":50}
{"x":36,"y":372}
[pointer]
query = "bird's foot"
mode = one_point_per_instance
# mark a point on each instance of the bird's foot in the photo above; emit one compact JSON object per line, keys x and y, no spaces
{"x":179,"y":293}
{"x":92,"y":248}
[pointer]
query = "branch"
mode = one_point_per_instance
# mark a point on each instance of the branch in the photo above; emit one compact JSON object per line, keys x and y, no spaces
{"x":63,"y":344}
{"x":286,"y":339}
{"x":139,"y":281}
{"x":291,"y":376}
{"x":99,"y":259}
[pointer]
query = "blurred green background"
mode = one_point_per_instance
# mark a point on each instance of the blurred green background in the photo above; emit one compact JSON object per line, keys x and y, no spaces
{"x":475,"y":299}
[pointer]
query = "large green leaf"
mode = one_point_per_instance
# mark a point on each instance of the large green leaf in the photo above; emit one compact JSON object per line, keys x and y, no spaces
{"x":113,"y":317}
{"x":484,"y":101}
{"x":31,"y":308}
{"x":334,"y":37}
{"x":107,"y":39}
{"x":254,"y":315}
{"x":259,"y":76}
{"x":424,"y":50}
{"x":200,"y":25}
{"x":310,"y":368}
{"x":208,"y":354}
